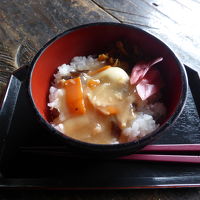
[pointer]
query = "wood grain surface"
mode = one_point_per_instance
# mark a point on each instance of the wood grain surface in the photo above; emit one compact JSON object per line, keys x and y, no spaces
{"x":26,"y":25}
{"x":174,"y":22}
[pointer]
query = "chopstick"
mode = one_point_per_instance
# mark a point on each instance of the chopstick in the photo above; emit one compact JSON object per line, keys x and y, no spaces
{"x":163,"y":158}
{"x":172,"y":148}
{"x":58,"y":151}
{"x":148,"y":148}
{"x":133,"y":157}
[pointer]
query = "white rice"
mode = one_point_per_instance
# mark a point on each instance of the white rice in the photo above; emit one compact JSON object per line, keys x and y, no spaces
{"x":141,"y":126}
{"x":57,"y":96}
{"x":156,"y":110}
{"x":77,"y":63}
{"x":56,"y":100}
{"x":144,"y":122}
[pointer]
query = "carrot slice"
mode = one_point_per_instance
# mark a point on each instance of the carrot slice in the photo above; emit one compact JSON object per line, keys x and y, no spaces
{"x":99,"y":70}
{"x":74,"y":96}
{"x":112,"y":110}
{"x":107,"y":110}
{"x":102,"y":57}
{"x":92,"y":83}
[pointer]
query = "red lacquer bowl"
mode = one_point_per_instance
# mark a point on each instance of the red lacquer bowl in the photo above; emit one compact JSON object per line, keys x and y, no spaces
{"x":89,"y":39}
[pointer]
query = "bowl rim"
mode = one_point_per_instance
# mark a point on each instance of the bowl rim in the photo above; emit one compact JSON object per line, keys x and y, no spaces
{"x":110,"y":147}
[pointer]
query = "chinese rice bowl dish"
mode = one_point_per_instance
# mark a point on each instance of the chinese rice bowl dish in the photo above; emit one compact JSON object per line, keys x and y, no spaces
{"x":97,"y":99}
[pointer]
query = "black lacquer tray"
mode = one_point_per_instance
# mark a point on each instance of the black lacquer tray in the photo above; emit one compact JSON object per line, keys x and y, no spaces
{"x":21,"y":168}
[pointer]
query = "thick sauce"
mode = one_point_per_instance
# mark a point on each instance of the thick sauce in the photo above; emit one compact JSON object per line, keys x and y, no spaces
{"x":108,"y":99}
{"x":93,"y":127}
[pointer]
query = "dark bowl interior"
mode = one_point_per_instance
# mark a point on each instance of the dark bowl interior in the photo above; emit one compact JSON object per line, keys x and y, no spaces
{"x":90,"y":39}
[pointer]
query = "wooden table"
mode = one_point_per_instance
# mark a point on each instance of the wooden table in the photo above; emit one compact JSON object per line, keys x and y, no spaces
{"x":26,"y":25}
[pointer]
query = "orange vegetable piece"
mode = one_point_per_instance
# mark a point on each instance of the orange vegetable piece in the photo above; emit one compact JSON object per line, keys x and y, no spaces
{"x":102,"y":57}
{"x":108,"y":110}
{"x":99,"y":70}
{"x":111,"y":110}
{"x":61,"y":83}
{"x":74,"y":96}
{"x":92,"y":83}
